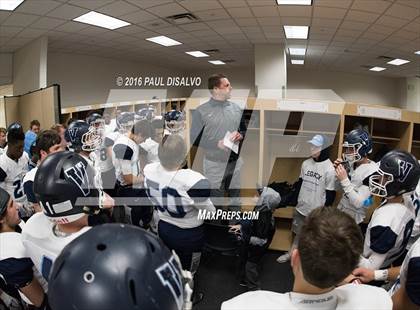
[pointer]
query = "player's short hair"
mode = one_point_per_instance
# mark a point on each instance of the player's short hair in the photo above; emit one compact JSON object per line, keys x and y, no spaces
{"x":142,"y":128}
{"x":215,"y":80}
{"x":3,"y":130}
{"x":57,"y":127}
{"x":34,"y":122}
{"x":172,"y":151}
{"x":330,"y":245}
{"x":45,"y":140}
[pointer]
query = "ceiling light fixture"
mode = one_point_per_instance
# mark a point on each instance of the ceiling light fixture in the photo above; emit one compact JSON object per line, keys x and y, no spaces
{"x":197,"y":54}
{"x":297,"y":62}
{"x":163,"y":40}
{"x":398,"y":62}
{"x":297,"y":51}
{"x":377,"y":69}
{"x":217,"y":62}
{"x":296,"y":32}
{"x":9,"y":5}
{"x":294,"y":2}
{"x":417,"y":53}
{"x":101,"y":20}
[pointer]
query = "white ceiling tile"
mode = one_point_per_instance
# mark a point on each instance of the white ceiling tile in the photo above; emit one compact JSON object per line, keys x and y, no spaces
{"x":10,"y":31}
{"x":360,"y":16}
{"x":4,"y":15}
{"x":260,"y":3}
{"x":381,"y":29}
{"x":411,"y":3}
{"x":144,"y":4}
{"x":348,"y":33}
{"x":48,"y":23}
{"x":401,"y":11}
{"x":240,"y":12}
{"x":326,"y":22}
{"x":90,"y":4}
{"x":233,"y":3}
{"x":129,"y":30}
{"x":251,"y":29}
{"x":334,"y":3}
{"x":71,"y":27}
{"x":296,"y":11}
{"x":118,"y":8}
{"x":374,"y":6}
{"x":246,"y":21}
{"x":194,"y":27}
{"x":212,"y":14}
{"x":323,"y":37}
{"x":20,"y":20}
{"x":354,"y":25}
{"x":155,"y":24}
{"x":412,"y":27}
{"x":324,"y":12}
{"x":409,"y":35}
{"x":204,"y":33}
{"x":170,"y":30}
{"x":37,"y":7}
{"x":167,"y":10}
{"x":301,"y":21}
{"x":67,"y":12}
{"x":138,"y":17}
{"x":31,"y":33}
{"x":391,"y":21}
{"x":264,"y":11}
{"x":269,"y":21}
{"x":202,"y":5}
{"x":93,"y":31}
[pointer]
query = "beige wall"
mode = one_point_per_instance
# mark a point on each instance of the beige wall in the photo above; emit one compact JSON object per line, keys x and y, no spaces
{"x":86,"y":80}
{"x":6,"y":68}
{"x":30,"y":67}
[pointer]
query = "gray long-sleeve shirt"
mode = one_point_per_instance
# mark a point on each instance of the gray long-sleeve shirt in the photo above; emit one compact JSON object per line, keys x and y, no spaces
{"x":211,"y":121}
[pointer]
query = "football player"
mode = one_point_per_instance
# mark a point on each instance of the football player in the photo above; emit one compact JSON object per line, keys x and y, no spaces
{"x":103,"y":155}
{"x":174,"y":123}
{"x":16,"y":269}
{"x":357,"y":198}
{"x":13,"y":167}
{"x":126,"y":159}
{"x":178,"y":195}
{"x":64,"y":187}
{"x":48,"y":141}
{"x":316,"y":186}
{"x":147,"y":276}
{"x":392,"y":223}
{"x":328,"y":250}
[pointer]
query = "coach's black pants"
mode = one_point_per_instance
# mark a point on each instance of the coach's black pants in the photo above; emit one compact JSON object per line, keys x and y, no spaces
{"x":141,"y":212}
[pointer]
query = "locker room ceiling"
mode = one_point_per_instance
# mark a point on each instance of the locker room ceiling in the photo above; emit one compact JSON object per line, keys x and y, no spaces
{"x":344,"y":35}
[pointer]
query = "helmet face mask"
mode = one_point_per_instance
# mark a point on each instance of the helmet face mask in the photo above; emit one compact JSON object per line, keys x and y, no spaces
{"x":175,"y":121}
{"x":351,"y":152}
{"x":378,"y":183}
{"x":125,"y":121}
{"x":91,"y":140}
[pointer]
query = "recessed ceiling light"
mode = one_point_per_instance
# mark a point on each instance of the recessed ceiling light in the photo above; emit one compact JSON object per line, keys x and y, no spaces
{"x":398,"y":62}
{"x":297,"y":62}
{"x":377,"y":69}
{"x":216,"y":62}
{"x":101,"y":20}
{"x":9,"y":5}
{"x":296,"y":32}
{"x":163,"y":40}
{"x":294,"y":2}
{"x":197,"y":54}
{"x":297,"y":51}
{"x":417,"y":53}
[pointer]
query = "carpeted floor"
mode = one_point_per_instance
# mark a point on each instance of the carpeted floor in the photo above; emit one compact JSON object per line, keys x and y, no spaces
{"x":216,"y":278}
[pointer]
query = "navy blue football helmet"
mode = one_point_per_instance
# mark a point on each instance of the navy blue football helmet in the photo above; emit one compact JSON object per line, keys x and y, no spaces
{"x":125,"y":121}
{"x":82,"y":137}
{"x":174,"y":121}
{"x":64,"y":187}
{"x":357,"y":145}
{"x":114,"y":266}
{"x":146,"y":113}
{"x":398,"y":173}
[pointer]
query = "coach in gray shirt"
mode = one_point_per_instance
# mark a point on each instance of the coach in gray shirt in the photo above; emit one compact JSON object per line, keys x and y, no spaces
{"x":210,"y":123}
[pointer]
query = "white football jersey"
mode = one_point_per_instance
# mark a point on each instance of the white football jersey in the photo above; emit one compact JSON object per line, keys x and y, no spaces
{"x":125,"y":157}
{"x":41,"y":243}
{"x":317,"y":177}
{"x":178,"y":195}
{"x":28,"y":183}
{"x":11,"y":176}
{"x":387,"y":234}
{"x":355,"y":200}
{"x":414,"y":199}
{"x":101,"y":155}
{"x":410,"y":274}
{"x":16,"y":268}
{"x":350,"y":296}
{"x":151,"y":147}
